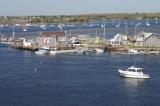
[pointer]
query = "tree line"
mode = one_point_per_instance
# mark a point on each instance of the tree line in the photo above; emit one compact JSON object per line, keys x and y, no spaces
{"x":82,"y":18}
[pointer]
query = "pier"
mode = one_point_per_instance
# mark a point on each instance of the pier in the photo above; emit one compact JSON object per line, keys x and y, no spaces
{"x":25,"y":48}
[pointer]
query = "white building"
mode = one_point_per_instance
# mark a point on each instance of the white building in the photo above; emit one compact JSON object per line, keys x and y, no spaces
{"x":148,"y":39}
{"x":119,"y":40}
{"x":140,"y":38}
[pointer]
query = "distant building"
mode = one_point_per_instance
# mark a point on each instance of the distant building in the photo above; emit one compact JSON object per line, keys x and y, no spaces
{"x":27,"y":43}
{"x":83,"y":38}
{"x":140,"y":38}
{"x":148,"y":39}
{"x":24,"y":42}
{"x":51,"y":39}
{"x":119,"y":40}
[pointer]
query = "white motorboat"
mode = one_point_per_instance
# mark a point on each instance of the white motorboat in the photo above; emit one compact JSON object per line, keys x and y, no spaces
{"x":41,"y":52}
{"x":46,"y":48}
{"x":99,"y":50}
{"x":133,"y":51}
{"x":133,"y":72}
{"x":54,"y":52}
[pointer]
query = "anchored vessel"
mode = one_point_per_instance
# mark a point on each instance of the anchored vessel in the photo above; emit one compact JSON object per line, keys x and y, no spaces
{"x":133,"y":72}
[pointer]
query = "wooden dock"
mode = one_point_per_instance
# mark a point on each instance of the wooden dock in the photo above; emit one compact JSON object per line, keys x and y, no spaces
{"x":25,"y":48}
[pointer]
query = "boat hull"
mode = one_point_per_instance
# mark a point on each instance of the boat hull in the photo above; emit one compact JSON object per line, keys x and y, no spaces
{"x":41,"y":52}
{"x":63,"y":51}
{"x":99,"y":50}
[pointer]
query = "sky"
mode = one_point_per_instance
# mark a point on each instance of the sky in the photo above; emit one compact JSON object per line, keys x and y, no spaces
{"x":75,"y":7}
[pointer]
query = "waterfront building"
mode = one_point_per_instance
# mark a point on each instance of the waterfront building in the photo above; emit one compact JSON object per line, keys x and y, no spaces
{"x":148,"y":39}
{"x":119,"y":40}
{"x":140,"y":38}
{"x":51,"y":39}
{"x":23,"y":42}
{"x":27,"y":43}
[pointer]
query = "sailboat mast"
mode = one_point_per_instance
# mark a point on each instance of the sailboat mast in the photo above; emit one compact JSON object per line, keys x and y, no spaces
{"x":104,"y":31}
{"x":156,"y":20}
{"x":13,"y":33}
{"x":126,"y":28}
{"x":30,"y":20}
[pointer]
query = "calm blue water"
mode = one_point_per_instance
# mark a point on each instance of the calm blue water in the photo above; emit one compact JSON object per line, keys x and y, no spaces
{"x":76,"y":80}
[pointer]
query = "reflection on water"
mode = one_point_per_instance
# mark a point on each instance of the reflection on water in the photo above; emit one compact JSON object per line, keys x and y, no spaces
{"x":132,"y":87}
{"x":133,"y":83}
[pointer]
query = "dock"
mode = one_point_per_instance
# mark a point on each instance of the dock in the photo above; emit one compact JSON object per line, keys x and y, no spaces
{"x":25,"y":48}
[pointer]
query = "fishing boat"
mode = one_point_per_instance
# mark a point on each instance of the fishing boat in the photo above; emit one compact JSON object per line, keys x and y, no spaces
{"x":133,"y":72}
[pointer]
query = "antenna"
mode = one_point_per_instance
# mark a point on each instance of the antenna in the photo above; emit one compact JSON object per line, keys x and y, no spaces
{"x":135,"y":63}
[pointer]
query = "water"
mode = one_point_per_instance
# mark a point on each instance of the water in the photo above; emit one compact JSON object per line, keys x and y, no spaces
{"x":76,"y":80}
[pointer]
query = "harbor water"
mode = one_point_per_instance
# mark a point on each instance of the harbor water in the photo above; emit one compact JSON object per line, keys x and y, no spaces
{"x":76,"y":80}
{"x":27,"y":79}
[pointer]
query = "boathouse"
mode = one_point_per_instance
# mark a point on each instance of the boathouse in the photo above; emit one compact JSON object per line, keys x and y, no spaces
{"x":148,"y":39}
{"x":119,"y":40}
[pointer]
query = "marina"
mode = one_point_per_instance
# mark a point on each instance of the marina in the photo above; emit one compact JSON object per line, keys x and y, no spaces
{"x":95,"y":37}
{"x":59,"y":68}
{"x":79,"y":53}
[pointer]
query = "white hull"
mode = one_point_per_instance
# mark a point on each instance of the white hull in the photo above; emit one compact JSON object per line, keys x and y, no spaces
{"x":41,"y":52}
{"x":99,"y":50}
{"x":46,"y":48}
{"x":6,"y":43}
{"x":63,"y":51}
{"x":128,"y":74}
{"x":133,"y":51}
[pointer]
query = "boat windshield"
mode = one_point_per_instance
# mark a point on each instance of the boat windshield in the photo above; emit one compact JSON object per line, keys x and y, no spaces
{"x":135,"y":70}
{"x":132,"y":70}
{"x":139,"y":70}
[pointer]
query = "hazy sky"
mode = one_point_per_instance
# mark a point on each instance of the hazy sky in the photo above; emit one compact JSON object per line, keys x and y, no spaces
{"x":74,"y":7}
